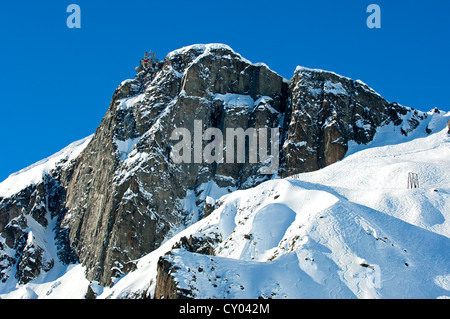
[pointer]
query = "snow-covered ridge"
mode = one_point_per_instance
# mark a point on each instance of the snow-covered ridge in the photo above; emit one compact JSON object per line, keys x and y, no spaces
{"x":300,"y":69}
{"x":204,"y":49}
{"x":330,"y":86}
{"x":207,"y":49}
{"x":33,"y":174}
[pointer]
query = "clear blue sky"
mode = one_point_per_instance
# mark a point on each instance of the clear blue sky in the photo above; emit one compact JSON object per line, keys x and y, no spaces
{"x":56,"y":83}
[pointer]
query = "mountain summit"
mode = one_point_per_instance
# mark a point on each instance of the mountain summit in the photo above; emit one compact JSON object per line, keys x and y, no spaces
{"x":98,"y":208}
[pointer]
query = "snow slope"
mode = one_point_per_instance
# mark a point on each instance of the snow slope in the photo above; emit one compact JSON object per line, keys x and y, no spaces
{"x":377,"y":176}
{"x":33,"y":174}
{"x":350,"y":230}
{"x":62,"y":281}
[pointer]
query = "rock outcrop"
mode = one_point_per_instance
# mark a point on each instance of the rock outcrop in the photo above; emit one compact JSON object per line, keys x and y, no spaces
{"x":40,"y":205}
{"x":326,"y":112}
{"x":166,"y":285}
{"x":124,"y":195}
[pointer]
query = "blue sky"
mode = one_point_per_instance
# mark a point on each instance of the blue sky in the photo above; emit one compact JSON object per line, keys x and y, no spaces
{"x":56,"y":83}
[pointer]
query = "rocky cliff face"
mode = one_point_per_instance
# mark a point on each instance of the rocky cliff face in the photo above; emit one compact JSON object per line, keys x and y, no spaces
{"x":127,"y":195}
{"x":29,"y":220}
{"x":124,"y":195}
{"x":326,"y":112}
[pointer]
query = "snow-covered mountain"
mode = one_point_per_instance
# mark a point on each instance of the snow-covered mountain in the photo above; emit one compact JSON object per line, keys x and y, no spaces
{"x":112,"y":216}
{"x":350,"y":230}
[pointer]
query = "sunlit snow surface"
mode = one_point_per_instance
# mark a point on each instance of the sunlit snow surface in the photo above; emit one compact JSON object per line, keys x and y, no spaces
{"x":33,"y":174}
{"x":350,"y":230}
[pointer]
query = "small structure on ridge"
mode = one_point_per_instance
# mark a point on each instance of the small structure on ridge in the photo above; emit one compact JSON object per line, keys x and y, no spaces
{"x":148,"y":62}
